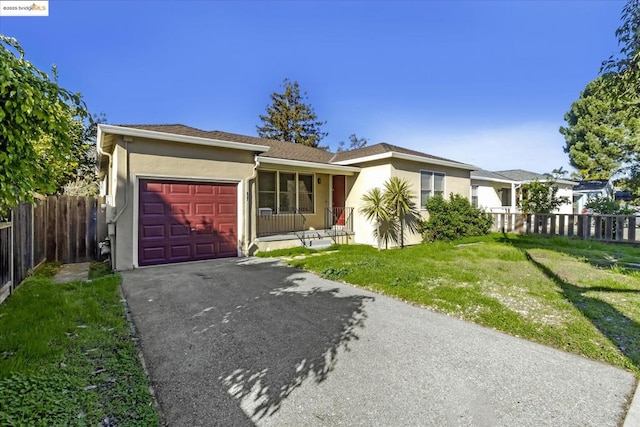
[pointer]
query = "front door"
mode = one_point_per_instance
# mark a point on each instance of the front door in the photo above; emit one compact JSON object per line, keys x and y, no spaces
{"x":338,"y":198}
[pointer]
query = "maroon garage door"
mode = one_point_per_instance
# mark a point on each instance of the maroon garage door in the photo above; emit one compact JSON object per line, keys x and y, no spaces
{"x":186,"y":221}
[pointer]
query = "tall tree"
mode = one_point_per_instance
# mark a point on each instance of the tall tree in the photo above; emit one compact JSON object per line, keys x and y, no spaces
{"x":290,"y":118}
{"x":602,"y":133}
{"x":39,"y":122}
{"x":354,"y":143}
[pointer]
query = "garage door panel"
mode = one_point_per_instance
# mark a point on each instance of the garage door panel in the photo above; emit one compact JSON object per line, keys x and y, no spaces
{"x":153,"y":231}
{"x":154,"y":253}
{"x":179,"y":188}
{"x":153,"y":209}
{"x":179,"y":230}
{"x":204,"y":189}
{"x":151,"y":187}
{"x":183,"y":208}
{"x":204,"y":208}
{"x":182,"y":221}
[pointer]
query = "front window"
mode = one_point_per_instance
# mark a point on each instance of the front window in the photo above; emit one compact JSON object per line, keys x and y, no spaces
{"x":474,"y":196}
{"x":431,"y":183}
{"x":294,"y":191}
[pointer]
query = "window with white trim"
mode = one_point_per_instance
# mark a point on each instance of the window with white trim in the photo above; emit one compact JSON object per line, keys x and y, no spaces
{"x":474,"y":196}
{"x":431,"y":184}
{"x":285,"y":192}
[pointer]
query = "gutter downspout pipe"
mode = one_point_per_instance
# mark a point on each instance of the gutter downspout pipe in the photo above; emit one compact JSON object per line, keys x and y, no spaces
{"x":247,"y":222}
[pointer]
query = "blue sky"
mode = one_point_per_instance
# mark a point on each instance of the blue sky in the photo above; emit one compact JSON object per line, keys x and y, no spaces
{"x":483,"y":82}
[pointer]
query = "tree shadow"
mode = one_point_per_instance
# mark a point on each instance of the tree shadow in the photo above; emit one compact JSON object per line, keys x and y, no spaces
{"x":563,"y":245}
{"x":300,"y":349}
{"x":619,"y":329}
{"x":254,"y":331}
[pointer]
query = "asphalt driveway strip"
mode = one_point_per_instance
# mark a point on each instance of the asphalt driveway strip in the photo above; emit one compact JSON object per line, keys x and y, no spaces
{"x":240,"y":342}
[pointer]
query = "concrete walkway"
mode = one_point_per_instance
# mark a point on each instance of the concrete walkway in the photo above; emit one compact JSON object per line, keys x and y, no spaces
{"x":72,"y":272}
{"x":253,"y":342}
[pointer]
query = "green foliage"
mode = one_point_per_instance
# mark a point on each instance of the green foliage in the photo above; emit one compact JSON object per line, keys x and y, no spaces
{"x":454,"y":218}
{"x":540,"y":197}
{"x":375,"y":209}
{"x":553,"y":291}
{"x":67,"y":356}
{"x":392,"y":209}
{"x":331,"y":273}
{"x":600,"y":135}
{"x":608,"y":206}
{"x":41,"y":126}
{"x":354,"y":143}
{"x":290,"y":119}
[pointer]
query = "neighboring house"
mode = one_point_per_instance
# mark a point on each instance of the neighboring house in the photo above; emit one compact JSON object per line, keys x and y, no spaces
{"x":588,"y":190}
{"x":499,"y":191}
{"x":174,"y":193}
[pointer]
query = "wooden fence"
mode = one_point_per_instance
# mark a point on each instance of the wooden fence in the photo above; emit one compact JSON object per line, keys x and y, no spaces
{"x":54,"y":228}
{"x":608,"y":228}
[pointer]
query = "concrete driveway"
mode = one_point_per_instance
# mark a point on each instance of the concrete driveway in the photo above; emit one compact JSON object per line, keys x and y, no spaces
{"x":252,"y":342}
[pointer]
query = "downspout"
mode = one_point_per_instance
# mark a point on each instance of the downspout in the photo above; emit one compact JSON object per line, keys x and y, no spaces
{"x":247,"y":222}
{"x":126,"y":188}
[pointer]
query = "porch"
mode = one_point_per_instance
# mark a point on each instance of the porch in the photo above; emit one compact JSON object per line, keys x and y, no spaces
{"x":289,"y":229}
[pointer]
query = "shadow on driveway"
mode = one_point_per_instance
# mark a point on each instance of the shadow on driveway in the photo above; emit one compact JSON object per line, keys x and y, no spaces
{"x":226,"y":341}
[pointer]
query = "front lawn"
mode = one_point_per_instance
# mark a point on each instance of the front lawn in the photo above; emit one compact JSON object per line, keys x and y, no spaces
{"x":568,"y":294}
{"x":67,"y":356}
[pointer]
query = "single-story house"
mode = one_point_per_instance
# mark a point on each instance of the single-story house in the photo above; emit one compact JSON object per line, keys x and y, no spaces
{"x":499,"y":191}
{"x":584,"y":191}
{"x":174,"y":193}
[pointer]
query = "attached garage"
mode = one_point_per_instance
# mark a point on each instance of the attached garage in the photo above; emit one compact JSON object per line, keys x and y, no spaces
{"x":182,"y":221}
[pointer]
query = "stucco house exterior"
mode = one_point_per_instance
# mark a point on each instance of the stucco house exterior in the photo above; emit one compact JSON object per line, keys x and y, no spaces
{"x":584,"y":191}
{"x":174,"y":193}
{"x":498,"y":191}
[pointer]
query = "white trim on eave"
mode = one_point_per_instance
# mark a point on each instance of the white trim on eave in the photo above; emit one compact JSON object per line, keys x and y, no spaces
{"x":403,"y":156}
{"x":506,"y":181}
{"x":164,"y":136}
{"x":347,"y":170}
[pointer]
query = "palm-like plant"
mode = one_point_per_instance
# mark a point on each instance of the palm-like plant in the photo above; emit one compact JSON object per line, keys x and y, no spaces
{"x":375,"y":209}
{"x":398,"y":198}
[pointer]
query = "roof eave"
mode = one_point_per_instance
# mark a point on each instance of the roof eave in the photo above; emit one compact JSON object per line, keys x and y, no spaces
{"x":350,"y":170}
{"x":403,"y":156}
{"x":164,"y":136}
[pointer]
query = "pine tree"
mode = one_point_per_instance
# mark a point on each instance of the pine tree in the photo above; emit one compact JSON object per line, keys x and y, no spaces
{"x":289,"y":118}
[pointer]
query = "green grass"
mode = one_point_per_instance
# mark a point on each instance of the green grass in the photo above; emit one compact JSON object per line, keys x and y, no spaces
{"x":552,"y":291}
{"x":291,"y":252}
{"x":67,"y":356}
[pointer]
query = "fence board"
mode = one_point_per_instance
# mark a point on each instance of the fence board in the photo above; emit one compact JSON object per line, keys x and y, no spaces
{"x":610,"y":228}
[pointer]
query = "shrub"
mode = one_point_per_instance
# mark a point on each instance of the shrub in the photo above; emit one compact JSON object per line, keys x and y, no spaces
{"x":608,"y":206}
{"x":454,"y":218}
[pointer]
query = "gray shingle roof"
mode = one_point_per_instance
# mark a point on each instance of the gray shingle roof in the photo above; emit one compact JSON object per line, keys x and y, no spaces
{"x":287,"y":150}
{"x":382,"y":148}
{"x":593,"y":185}
{"x":521,"y":175}
{"x":479,"y":174}
{"x":277,"y":149}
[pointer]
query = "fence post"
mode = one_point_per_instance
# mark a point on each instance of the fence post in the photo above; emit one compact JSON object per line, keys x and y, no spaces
{"x":632,"y":229}
{"x":561,"y":219}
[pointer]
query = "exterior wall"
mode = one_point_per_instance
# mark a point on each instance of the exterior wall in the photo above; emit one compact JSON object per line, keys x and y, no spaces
{"x":567,"y":192}
{"x":457,"y":181}
{"x":373,"y":175}
{"x":158,"y":159}
{"x":488,"y":197}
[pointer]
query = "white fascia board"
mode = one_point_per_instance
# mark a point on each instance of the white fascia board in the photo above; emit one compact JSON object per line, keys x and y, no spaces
{"x":506,"y":181}
{"x":403,"y":156}
{"x":164,"y":136}
{"x":348,"y":170}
